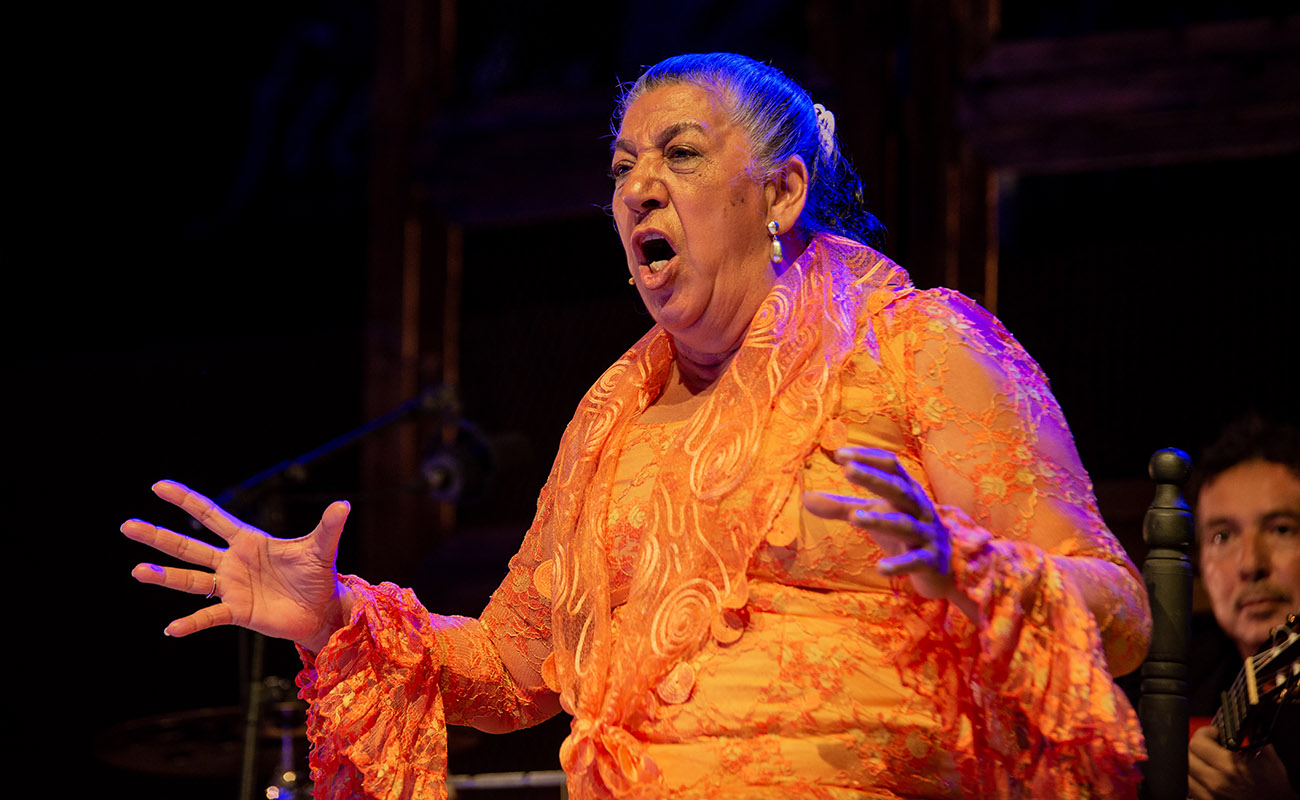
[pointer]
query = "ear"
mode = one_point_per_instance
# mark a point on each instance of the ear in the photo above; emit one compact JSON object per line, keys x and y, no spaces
{"x":786,"y":193}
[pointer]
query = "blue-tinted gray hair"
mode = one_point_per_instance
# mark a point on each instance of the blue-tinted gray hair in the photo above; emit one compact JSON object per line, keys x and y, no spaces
{"x":779,"y":118}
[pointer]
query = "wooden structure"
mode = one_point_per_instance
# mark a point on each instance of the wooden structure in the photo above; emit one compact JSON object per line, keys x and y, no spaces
{"x":1167,"y":571}
{"x":938,"y":108}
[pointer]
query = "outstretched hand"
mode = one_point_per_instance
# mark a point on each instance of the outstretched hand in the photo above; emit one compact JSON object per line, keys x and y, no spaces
{"x":901,"y":519}
{"x":286,"y":588}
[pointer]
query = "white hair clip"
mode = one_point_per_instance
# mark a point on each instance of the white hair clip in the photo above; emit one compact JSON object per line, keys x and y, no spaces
{"x":826,"y":130}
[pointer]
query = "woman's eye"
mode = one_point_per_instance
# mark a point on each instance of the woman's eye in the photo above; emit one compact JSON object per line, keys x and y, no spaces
{"x":619,"y":169}
{"x":680,"y":152}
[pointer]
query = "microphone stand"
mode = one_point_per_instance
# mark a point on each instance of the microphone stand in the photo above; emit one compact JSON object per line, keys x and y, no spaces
{"x":252,"y":647}
{"x":432,"y":400}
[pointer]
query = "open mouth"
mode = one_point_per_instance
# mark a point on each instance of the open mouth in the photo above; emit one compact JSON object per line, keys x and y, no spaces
{"x":656,"y":252}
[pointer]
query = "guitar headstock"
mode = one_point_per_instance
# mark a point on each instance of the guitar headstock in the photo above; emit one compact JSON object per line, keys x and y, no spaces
{"x":1267,"y":681}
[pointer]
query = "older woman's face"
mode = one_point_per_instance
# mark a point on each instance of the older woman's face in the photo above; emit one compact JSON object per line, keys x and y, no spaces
{"x":691,"y":217}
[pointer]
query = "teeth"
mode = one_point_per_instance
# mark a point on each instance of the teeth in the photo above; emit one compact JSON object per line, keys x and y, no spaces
{"x":660,"y":248}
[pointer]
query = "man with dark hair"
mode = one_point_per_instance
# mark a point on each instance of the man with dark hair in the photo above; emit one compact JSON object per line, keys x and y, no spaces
{"x":1247,"y":494}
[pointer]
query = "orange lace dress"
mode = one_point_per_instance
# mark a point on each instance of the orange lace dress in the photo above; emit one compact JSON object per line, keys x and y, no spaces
{"x":712,"y":638}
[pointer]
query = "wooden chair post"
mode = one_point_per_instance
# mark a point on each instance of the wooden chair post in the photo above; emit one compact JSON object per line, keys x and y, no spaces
{"x":1162,"y":709}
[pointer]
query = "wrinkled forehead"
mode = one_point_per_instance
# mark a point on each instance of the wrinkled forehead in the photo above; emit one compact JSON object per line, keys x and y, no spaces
{"x":672,"y":104}
{"x":1247,"y":492}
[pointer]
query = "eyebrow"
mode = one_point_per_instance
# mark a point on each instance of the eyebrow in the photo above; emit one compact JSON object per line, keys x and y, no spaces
{"x":665,"y":136}
{"x":1211,"y":522}
{"x":1231,"y":521}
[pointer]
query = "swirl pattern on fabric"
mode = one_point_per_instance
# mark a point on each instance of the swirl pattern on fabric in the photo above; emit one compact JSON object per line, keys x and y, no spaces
{"x":711,"y":638}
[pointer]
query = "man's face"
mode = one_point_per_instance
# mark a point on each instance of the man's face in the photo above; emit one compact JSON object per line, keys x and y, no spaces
{"x":1248,"y":527}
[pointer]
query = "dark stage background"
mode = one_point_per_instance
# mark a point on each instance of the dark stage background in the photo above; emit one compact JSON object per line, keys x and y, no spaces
{"x":198,"y":198}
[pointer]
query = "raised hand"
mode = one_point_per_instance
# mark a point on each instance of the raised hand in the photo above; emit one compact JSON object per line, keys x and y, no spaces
{"x":286,"y":588}
{"x":901,"y":519}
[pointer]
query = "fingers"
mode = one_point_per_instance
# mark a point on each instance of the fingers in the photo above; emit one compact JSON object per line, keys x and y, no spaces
{"x":1197,"y":790}
{"x":1211,"y":768}
{"x":911,"y":545}
{"x":326,"y":534}
{"x":172,"y":543}
{"x":207,"y":513}
{"x":901,"y":518}
{"x":911,"y":561}
{"x":190,"y":581}
{"x":880,"y":472}
{"x":881,"y":459}
{"x":835,"y":506}
{"x":1205,"y":741}
{"x":200,"y":620}
{"x":869,"y":514}
{"x":1206,"y":781}
{"x":893,"y":531}
{"x":902,"y":526}
{"x":1204,"y":746}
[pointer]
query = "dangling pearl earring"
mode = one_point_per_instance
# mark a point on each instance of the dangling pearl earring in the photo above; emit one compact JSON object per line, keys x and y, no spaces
{"x":777,"y":255}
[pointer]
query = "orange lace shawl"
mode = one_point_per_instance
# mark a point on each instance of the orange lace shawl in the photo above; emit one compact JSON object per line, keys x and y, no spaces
{"x":716,"y":497}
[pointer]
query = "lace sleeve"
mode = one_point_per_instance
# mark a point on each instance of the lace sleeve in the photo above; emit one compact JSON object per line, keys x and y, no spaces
{"x":381,"y":692}
{"x":993,"y":442}
{"x":1058,"y":598}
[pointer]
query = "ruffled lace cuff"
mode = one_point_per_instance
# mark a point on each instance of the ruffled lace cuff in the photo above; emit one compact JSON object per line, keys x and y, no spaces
{"x":1031,"y":677}
{"x":375,"y":713}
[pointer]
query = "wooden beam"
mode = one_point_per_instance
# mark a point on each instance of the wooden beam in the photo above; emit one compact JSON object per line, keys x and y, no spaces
{"x":406,"y":283}
{"x":1211,"y":91}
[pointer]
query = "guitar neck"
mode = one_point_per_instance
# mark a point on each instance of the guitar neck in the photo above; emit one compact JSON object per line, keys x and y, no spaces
{"x":1249,"y":708}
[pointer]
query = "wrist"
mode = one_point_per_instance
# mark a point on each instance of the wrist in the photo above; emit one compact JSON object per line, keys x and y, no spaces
{"x":337,"y":613}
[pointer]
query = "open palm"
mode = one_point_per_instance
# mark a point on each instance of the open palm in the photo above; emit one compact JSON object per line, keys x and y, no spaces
{"x":286,"y":588}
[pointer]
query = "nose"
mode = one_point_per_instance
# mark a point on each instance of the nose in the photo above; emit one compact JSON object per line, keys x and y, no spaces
{"x":642,"y":188}
{"x":1254,"y":560}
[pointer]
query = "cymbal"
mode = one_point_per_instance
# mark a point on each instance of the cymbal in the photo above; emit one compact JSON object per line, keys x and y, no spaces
{"x":201,"y":743}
